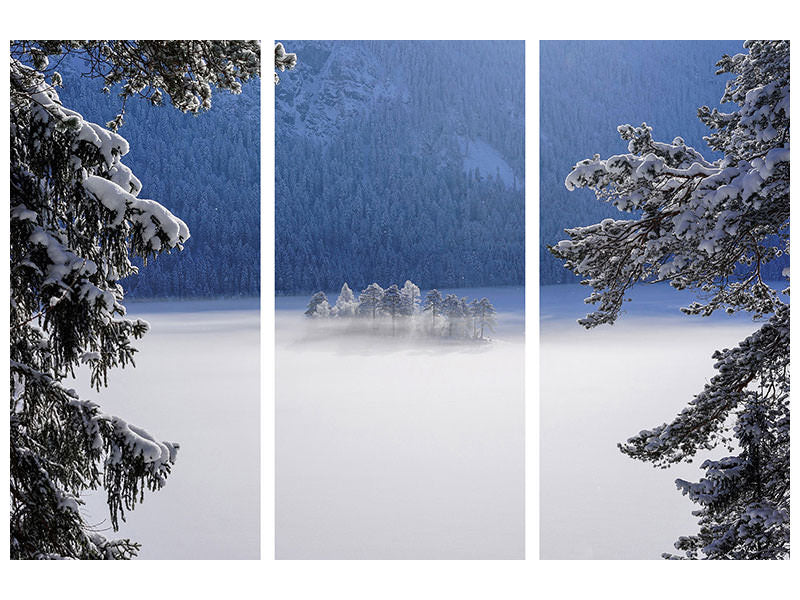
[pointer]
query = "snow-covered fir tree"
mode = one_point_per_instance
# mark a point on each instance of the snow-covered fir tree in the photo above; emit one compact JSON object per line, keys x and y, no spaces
{"x":472,"y":312}
{"x":433,"y":304}
{"x":465,"y":318}
{"x":318,"y":306}
{"x":452,"y":309}
{"x":283,"y":60}
{"x":346,"y":304}
{"x":392,"y":303}
{"x":484,"y":314}
{"x":369,"y":300}
{"x":411,"y":297}
{"x":76,"y":222}
{"x":712,"y":226}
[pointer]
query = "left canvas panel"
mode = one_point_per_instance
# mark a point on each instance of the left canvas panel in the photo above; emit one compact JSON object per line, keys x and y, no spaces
{"x":134,"y":230}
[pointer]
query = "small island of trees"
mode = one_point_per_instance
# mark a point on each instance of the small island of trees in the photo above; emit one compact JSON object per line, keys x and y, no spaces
{"x":404,"y":308}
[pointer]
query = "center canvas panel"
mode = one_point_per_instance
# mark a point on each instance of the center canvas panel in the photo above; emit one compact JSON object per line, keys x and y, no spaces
{"x":399,"y":257}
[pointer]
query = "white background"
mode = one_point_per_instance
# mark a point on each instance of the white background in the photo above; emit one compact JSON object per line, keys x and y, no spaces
{"x":412,"y":19}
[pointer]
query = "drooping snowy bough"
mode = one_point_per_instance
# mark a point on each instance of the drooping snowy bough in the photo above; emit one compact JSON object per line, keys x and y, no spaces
{"x":710,"y":226}
{"x":76,"y":221}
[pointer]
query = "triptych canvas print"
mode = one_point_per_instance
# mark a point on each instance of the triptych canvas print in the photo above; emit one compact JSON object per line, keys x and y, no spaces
{"x":404,"y":363}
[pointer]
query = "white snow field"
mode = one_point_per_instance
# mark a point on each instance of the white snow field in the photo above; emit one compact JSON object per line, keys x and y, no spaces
{"x":196,"y":382}
{"x":398,"y":447}
{"x":602,"y":386}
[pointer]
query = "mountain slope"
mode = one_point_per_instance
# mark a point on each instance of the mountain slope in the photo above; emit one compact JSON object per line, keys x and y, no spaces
{"x":400,"y":160}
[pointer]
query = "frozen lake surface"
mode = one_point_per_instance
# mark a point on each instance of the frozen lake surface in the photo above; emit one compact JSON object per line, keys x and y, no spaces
{"x":396,"y":447}
{"x":602,"y":386}
{"x":196,"y":382}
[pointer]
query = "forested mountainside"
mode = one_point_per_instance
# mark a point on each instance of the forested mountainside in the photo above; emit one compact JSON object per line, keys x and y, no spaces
{"x":587,"y":89}
{"x":205,"y":169}
{"x":400,"y":160}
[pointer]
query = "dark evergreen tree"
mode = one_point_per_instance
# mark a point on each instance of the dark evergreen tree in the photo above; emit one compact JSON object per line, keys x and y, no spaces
{"x":369,"y":301}
{"x":464,"y":318}
{"x":433,"y":304}
{"x":452,"y":308}
{"x":484,"y":314}
{"x":392,"y":304}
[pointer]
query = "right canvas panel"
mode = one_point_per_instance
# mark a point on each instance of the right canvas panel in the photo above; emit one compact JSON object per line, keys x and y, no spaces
{"x":664,"y":181}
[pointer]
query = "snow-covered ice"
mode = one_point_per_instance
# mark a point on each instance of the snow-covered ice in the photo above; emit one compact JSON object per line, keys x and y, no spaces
{"x":602,"y":386}
{"x":396,"y":447}
{"x":196,"y":382}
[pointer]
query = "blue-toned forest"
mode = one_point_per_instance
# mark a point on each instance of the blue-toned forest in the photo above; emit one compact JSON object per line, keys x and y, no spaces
{"x":205,"y":169}
{"x":587,"y":89}
{"x":400,"y":160}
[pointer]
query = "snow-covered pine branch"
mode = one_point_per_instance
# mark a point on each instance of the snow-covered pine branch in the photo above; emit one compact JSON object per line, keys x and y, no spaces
{"x":283,"y":60}
{"x":185,"y":71}
{"x":701,"y":225}
{"x":710,"y":226}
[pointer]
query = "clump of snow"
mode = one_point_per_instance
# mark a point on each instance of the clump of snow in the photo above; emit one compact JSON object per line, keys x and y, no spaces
{"x":140,"y":443}
{"x":22,"y":213}
{"x":152,"y":217}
